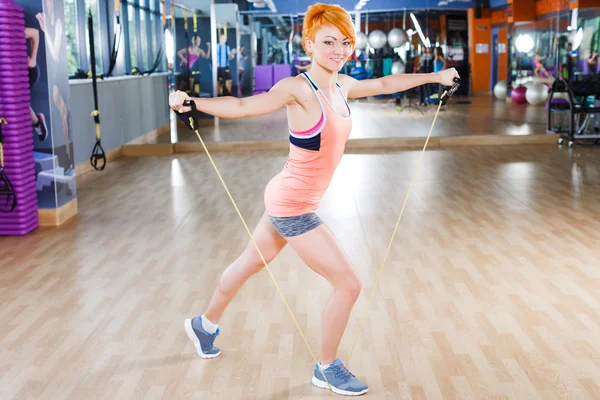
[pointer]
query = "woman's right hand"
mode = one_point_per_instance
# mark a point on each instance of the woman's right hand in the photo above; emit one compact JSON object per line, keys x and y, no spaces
{"x":176,"y":100}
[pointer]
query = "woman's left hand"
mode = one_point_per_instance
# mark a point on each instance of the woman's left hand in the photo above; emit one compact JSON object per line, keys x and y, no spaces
{"x":447,"y":76}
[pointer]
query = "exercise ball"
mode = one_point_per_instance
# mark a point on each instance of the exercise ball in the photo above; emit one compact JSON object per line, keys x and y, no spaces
{"x":361,"y":41}
{"x":518,"y":95}
{"x":396,"y":37}
{"x":500,"y":90}
{"x":377,"y":39}
{"x":398,"y":67}
{"x":536,"y":94}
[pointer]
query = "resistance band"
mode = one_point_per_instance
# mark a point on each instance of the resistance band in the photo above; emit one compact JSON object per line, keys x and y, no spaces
{"x":97,"y":152}
{"x":190,"y":120}
{"x":443,"y":99}
{"x":6,"y":188}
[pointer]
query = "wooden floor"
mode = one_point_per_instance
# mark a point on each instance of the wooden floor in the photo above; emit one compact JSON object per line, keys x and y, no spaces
{"x":374,"y":119}
{"x":491,"y":291}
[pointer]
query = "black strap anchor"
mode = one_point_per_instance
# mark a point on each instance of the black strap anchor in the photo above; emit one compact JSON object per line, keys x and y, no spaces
{"x":7,"y":190}
{"x":447,"y":94}
{"x":97,"y":152}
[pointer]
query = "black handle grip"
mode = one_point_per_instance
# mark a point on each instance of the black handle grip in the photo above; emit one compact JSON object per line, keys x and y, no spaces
{"x":453,"y":89}
{"x":190,"y":118}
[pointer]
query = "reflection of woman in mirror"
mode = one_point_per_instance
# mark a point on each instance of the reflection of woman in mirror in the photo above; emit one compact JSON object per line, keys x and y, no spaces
{"x":195,"y":52}
{"x":538,"y":66}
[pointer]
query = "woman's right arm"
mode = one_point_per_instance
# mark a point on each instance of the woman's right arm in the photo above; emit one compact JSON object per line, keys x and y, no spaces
{"x":232,"y":107}
{"x":181,"y":53}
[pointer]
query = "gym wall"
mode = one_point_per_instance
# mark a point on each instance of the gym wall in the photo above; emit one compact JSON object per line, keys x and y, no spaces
{"x":129,"y":108}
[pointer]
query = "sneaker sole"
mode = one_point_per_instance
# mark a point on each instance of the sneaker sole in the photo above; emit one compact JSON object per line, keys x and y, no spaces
{"x":190,"y":332}
{"x":323,"y":385}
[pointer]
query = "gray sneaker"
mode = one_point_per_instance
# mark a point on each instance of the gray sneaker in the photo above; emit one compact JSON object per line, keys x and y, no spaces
{"x":341,"y":380}
{"x":202,"y":339}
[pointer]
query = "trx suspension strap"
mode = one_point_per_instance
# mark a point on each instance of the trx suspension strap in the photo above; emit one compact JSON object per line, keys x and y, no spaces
{"x":8,"y":197}
{"x":98,"y":158}
{"x":116,"y":42}
{"x":196,"y":88}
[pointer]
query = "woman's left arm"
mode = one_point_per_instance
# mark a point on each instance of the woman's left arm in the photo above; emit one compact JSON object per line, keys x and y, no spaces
{"x":394,"y":83}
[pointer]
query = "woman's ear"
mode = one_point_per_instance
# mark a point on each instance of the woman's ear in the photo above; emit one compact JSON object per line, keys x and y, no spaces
{"x":308,"y":45}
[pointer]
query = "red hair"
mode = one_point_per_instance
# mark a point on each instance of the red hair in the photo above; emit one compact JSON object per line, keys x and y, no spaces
{"x":321,"y":14}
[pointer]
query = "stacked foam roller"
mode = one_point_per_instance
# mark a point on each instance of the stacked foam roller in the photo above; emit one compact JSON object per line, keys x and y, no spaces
{"x":14,"y":108}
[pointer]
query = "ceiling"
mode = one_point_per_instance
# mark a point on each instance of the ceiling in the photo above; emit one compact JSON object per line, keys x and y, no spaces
{"x":287,"y":7}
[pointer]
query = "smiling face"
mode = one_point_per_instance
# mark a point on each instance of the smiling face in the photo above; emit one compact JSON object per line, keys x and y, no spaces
{"x":330,"y":48}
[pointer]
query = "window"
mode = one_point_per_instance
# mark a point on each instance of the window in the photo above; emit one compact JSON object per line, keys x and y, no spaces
{"x":132,"y":36}
{"x":71,"y":34}
{"x":92,"y":5}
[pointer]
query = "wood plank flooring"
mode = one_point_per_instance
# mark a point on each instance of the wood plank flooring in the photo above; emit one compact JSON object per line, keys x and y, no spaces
{"x":491,"y":291}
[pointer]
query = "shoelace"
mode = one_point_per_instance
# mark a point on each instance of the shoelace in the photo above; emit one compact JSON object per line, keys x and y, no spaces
{"x":343,"y":373}
{"x":210,"y":344}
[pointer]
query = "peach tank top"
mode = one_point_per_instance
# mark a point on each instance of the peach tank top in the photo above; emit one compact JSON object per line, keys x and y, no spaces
{"x":313,"y":158}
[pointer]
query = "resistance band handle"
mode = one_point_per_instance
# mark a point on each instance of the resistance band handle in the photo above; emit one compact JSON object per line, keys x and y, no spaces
{"x":447,"y":94}
{"x":190,"y":118}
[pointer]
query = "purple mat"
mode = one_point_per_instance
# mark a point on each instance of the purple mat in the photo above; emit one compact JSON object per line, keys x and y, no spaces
{"x":11,"y":96}
{"x":13,"y":139}
{"x":20,"y":175}
{"x":20,"y":151}
{"x":6,"y":108}
{"x":18,"y":80}
{"x":281,"y":71}
{"x":263,"y":77}
{"x":17,"y":222}
{"x":19,"y":141}
{"x":17,"y":216}
{"x":11,"y":115}
{"x":22,"y":231}
{"x":13,"y":162}
{"x":12,"y":50}
{"x":11,"y":13}
{"x":9,"y":45}
{"x":24,"y":205}
{"x":14,"y":85}
{"x":17,"y":213}
{"x":22,"y":182}
{"x":12,"y":33}
{"x":8,"y":21}
{"x":16,"y":59}
{"x":10,"y":73}
{"x":17,"y":138}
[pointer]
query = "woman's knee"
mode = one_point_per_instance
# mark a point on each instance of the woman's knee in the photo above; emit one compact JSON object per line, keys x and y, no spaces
{"x":350,"y":284}
{"x":355,"y":287}
{"x":254,"y":262}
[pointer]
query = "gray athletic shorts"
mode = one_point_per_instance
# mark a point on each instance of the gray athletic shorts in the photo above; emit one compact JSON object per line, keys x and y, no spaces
{"x":294,"y":226}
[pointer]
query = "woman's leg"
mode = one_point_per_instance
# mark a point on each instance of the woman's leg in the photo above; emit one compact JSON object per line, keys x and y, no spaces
{"x":320,"y":250}
{"x":203,"y":330}
{"x":270,"y":243}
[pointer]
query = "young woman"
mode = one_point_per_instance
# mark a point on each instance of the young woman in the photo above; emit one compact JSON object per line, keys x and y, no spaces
{"x":320,"y":122}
